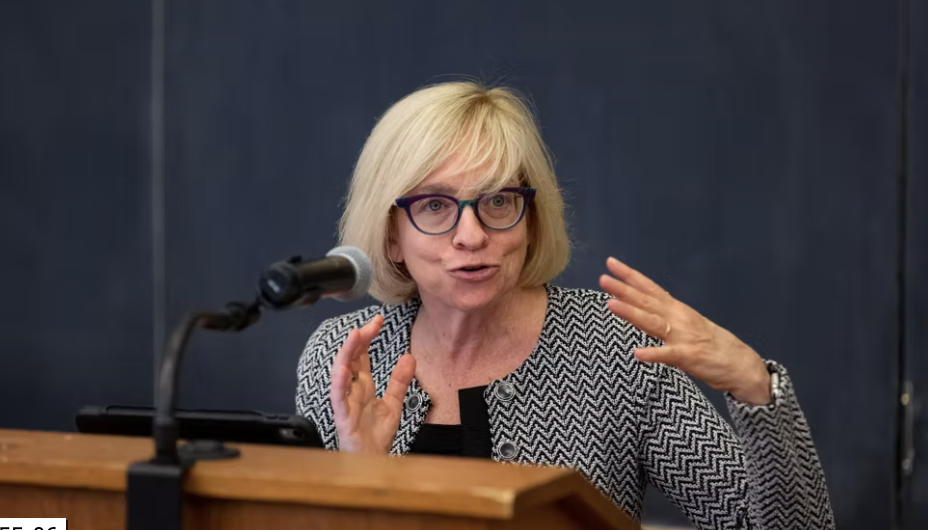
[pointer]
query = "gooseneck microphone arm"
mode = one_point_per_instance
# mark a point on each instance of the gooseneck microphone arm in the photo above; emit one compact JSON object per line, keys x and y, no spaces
{"x":235,"y":317}
{"x":154,"y":491}
{"x":345,"y":272}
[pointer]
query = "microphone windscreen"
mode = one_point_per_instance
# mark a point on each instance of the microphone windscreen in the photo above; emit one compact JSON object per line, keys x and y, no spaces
{"x":363,"y":272}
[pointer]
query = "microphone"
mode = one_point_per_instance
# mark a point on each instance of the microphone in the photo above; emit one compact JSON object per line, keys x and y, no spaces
{"x":344,"y":274}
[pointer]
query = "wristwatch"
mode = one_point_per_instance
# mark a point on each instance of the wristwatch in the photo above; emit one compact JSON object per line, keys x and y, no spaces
{"x":774,"y":383}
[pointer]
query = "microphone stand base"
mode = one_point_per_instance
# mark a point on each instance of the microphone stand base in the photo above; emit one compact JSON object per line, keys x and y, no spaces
{"x":154,"y":489}
{"x":154,"y":496}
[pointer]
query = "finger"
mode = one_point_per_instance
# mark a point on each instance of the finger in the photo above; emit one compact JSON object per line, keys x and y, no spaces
{"x":367,"y":334}
{"x":371,"y":329}
{"x":349,"y":391}
{"x":366,"y":363}
{"x":363,"y":385}
{"x":401,"y":378}
{"x":343,"y":357}
{"x":654,"y":325}
{"x":350,"y":394}
{"x":341,"y":382}
{"x":631,"y":295}
{"x":636,"y":279}
{"x":359,"y":346}
{"x":663,"y":354}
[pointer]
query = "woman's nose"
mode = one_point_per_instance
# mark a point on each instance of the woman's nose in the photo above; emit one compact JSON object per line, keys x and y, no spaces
{"x":469,"y":233}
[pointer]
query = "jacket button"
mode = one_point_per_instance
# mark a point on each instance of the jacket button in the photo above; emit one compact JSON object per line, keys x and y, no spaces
{"x":413,"y":402}
{"x":507,"y":450}
{"x":505,"y":391}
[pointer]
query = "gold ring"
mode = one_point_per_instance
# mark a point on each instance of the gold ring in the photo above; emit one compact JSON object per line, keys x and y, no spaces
{"x":668,"y":330}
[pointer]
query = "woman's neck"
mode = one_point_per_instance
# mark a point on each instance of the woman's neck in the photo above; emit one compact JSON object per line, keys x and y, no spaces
{"x":462,"y":339}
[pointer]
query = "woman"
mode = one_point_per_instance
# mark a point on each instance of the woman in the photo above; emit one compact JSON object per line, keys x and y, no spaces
{"x":475,"y":353}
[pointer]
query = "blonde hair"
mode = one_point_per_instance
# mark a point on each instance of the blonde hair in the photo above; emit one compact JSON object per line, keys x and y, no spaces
{"x":484,"y":128}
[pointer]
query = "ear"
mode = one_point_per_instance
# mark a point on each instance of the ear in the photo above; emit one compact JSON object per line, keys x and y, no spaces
{"x":393,"y":250}
{"x":393,"y":246}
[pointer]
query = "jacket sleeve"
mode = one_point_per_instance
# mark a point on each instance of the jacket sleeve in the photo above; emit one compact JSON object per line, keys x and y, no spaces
{"x":787,"y":484}
{"x":314,"y":378}
{"x":766,"y":476}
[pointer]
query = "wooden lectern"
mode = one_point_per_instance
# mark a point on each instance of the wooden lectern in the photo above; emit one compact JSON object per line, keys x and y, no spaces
{"x":83,"y":478}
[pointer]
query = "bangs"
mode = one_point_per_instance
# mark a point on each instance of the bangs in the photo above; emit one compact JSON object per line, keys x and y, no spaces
{"x":488,"y":141}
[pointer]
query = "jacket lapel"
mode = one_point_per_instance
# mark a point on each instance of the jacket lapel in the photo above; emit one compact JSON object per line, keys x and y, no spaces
{"x":386,"y":349}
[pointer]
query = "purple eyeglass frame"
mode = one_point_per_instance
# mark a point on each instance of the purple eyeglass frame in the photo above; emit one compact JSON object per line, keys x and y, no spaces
{"x":405,"y":202}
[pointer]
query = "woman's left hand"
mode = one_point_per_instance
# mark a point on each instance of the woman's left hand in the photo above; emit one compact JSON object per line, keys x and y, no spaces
{"x":692,"y":342}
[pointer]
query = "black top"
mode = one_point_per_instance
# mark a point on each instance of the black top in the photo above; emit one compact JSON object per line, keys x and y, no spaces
{"x":470,"y":438}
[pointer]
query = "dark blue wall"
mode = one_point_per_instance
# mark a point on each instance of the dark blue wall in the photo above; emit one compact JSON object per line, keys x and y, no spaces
{"x":744,"y":154}
{"x":74,"y":203}
{"x":916,"y":339}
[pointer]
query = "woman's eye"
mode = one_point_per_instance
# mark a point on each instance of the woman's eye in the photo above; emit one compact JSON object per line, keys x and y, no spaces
{"x":498,"y":201}
{"x":434,"y":205}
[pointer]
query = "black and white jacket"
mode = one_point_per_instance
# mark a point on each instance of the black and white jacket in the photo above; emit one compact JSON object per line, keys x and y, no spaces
{"x":582,"y":400}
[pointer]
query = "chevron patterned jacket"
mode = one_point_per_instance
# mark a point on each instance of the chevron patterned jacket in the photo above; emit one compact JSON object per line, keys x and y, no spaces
{"x":582,"y":400}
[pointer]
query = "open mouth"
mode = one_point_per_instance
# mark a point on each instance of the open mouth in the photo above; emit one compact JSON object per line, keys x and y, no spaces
{"x":475,"y":273}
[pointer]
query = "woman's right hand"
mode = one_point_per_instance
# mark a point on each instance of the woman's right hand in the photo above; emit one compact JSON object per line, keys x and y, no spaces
{"x":364,"y":423}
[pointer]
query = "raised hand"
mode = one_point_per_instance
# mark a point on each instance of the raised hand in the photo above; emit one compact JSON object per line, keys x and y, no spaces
{"x":692,"y":342}
{"x":364,"y":423}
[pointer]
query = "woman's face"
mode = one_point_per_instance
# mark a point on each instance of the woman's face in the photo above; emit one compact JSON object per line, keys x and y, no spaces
{"x":436,"y":261}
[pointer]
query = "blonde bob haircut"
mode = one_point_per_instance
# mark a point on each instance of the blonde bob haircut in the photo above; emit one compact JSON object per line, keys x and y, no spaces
{"x":487,"y":128}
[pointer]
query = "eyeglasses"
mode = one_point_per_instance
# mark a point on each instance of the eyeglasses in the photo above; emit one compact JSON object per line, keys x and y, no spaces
{"x":436,"y":214}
